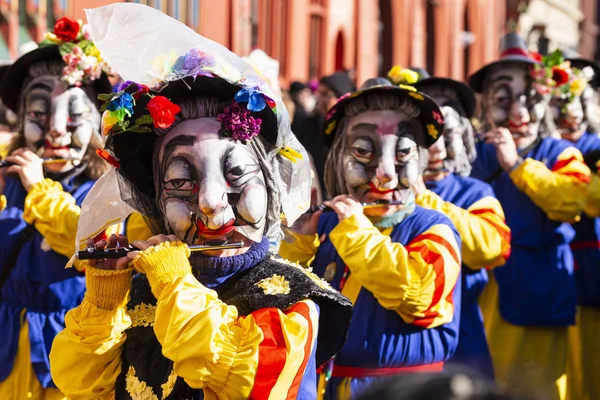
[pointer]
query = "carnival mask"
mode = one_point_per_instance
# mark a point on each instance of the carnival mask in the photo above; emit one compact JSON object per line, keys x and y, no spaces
{"x":512,"y":103}
{"x":58,"y":122}
{"x":381,"y":158}
{"x":568,"y":115}
{"x":210,"y":187}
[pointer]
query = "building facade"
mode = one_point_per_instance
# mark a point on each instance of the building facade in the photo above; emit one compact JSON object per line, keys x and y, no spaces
{"x":311,"y":38}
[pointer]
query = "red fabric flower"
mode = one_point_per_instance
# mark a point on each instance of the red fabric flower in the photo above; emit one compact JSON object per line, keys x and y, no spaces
{"x":66,"y":29}
{"x":105,"y":155}
{"x":536,"y":56}
{"x":560,"y":76}
{"x":162,"y":111}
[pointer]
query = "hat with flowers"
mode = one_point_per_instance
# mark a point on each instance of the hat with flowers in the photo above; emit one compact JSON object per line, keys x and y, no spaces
{"x":69,"y":41}
{"x":556,"y":76}
{"x":162,"y":72}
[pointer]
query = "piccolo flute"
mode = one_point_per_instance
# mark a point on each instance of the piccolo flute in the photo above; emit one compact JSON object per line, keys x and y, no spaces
{"x":4,"y":163}
{"x":372,"y":204}
{"x":117,"y":252}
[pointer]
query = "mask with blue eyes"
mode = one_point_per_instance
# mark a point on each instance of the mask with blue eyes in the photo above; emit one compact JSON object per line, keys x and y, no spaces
{"x":58,"y":121}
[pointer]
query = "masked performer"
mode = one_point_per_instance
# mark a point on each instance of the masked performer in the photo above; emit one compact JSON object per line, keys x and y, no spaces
{"x":541,"y":184}
{"x":211,"y":158}
{"x":571,"y":104}
{"x":398,"y":263}
{"x":52,"y":89}
{"x":469,"y":203}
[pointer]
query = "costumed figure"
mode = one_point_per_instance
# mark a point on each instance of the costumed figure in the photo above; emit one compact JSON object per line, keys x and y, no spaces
{"x":51,"y":166}
{"x":202,"y":148}
{"x":468,"y":202}
{"x":576,"y":80}
{"x":398,"y":263}
{"x":542,"y":184}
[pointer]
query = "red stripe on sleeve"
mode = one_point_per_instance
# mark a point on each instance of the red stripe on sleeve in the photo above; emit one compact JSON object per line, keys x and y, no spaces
{"x":304,"y":310}
{"x":437,"y":260}
{"x":439,"y":240}
{"x":271,"y":352}
{"x":577,"y":175}
{"x":562,"y":163}
{"x":506,"y":235}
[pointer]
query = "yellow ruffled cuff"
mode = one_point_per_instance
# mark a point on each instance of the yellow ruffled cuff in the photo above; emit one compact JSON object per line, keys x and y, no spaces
{"x":519,"y":174}
{"x":2,"y":202}
{"x":299,"y":248}
{"x":40,"y":189}
{"x":163,"y":264}
{"x":107,"y":289}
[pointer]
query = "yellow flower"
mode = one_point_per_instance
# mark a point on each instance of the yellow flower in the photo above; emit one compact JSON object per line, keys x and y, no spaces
{"x":52,"y":37}
{"x":330,"y":128}
{"x":108,"y":121}
{"x":577,"y":86}
{"x":406,"y":87}
{"x":290,"y":154}
{"x":93,"y":51}
{"x":432,"y":131}
{"x":400,"y":75}
{"x":417,"y":96}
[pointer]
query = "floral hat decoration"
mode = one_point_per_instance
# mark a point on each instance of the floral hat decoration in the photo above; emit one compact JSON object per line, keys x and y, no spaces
{"x":430,"y":116}
{"x":556,"y":76}
{"x":161,"y":71}
{"x":69,"y":41}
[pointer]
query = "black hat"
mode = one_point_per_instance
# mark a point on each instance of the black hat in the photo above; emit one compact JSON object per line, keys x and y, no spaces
{"x":296,"y":87}
{"x":431,"y":117}
{"x":11,"y":85}
{"x":513,"y":49}
{"x":340,"y":83}
{"x":465,"y":94}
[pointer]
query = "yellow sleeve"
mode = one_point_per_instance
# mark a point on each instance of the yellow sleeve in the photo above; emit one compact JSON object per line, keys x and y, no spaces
{"x":85,"y":359}
{"x":592,"y":205}
{"x":299,"y":248}
{"x":2,"y":202}
{"x":212,"y":347}
{"x":416,"y":281}
{"x":482,"y":228}
{"x":54,"y":214}
{"x":561,"y":191}
{"x":136,"y":228}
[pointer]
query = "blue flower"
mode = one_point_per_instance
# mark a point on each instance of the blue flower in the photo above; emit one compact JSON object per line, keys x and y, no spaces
{"x":123,"y":102}
{"x":256,"y":101}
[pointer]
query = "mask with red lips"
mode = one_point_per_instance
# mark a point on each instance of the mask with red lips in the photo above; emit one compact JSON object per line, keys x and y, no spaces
{"x":210,"y":187}
{"x":511,"y":102}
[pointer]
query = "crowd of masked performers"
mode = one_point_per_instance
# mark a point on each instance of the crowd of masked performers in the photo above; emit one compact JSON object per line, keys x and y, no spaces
{"x":451,"y":236}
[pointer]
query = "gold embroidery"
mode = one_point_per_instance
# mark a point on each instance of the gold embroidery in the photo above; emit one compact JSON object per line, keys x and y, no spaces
{"x":432,"y":131}
{"x":139,"y":390}
{"x":142,"y":315}
{"x":417,"y":96}
{"x":323,"y":284}
{"x":276,"y":284}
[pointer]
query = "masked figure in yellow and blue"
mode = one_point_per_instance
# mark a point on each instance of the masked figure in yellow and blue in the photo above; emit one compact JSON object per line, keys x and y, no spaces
{"x":202,"y":148}
{"x":468,"y":202}
{"x":399,"y":263}
{"x":53,"y":91}
{"x":572,"y":105}
{"x":542,"y":184}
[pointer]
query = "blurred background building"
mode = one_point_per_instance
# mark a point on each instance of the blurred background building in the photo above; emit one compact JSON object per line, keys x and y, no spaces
{"x":311,"y":38}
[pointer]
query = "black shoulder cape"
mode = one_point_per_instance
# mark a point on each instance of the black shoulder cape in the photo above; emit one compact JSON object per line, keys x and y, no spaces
{"x":144,"y":367}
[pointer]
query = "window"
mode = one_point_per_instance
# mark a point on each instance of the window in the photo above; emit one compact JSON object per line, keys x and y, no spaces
{"x":316,"y":35}
{"x":193,"y":14}
{"x":384,"y":62}
{"x":430,"y":21}
{"x":254,"y":21}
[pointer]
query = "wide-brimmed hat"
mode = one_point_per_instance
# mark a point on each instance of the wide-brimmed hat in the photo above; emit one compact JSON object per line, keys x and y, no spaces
{"x":513,"y":49}
{"x":466,"y":96}
{"x":11,"y":86}
{"x":430,"y":116}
